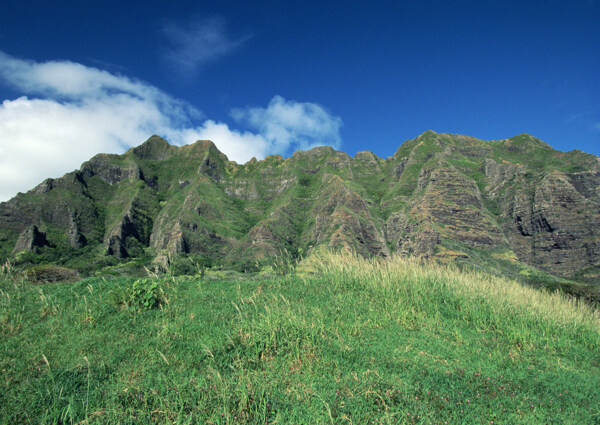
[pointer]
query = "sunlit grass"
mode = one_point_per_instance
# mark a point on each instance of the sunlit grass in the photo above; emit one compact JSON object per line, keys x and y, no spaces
{"x":481,"y":299}
{"x":343,"y":340}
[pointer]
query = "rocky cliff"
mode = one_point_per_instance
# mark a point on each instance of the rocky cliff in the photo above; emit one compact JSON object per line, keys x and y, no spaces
{"x":514,"y":203}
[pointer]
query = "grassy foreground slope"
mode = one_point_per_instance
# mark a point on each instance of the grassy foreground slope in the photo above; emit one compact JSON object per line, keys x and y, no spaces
{"x":344,"y":340}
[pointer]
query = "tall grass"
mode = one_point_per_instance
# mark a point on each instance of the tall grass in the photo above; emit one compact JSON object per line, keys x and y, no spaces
{"x":409,"y":285}
{"x":342,"y":340}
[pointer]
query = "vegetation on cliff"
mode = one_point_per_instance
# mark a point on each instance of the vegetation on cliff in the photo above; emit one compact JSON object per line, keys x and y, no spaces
{"x":513,"y":207}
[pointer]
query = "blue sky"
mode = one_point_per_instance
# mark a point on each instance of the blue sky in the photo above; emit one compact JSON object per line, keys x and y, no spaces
{"x":78,"y":78}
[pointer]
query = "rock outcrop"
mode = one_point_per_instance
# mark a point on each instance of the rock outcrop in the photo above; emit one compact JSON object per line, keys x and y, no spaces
{"x":30,"y":239}
{"x":557,"y":229}
{"x":76,"y":239}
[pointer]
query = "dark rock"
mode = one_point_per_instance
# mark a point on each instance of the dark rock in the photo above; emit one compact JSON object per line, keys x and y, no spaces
{"x":44,"y":187}
{"x":558,"y":229}
{"x":31,"y":239}
{"x":76,"y":239}
{"x":171,"y":240}
{"x":111,"y":173}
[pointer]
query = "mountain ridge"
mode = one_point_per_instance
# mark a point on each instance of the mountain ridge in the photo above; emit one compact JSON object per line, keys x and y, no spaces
{"x":513,"y":204}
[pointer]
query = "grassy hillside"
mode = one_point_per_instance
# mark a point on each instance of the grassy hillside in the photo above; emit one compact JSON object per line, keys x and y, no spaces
{"x":340,"y":340}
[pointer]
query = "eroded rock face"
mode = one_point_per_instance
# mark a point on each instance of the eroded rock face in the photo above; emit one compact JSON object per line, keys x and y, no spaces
{"x":101,"y":166}
{"x":587,"y":184}
{"x":343,"y":220}
{"x":438,"y":195}
{"x":455,"y":203}
{"x":76,"y":238}
{"x":116,"y":240}
{"x":132,"y":229}
{"x":499,"y":175}
{"x":31,"y":239}
{"x":172,"y":240}
{"x":449,"y":206}
{"x":558,"y":229}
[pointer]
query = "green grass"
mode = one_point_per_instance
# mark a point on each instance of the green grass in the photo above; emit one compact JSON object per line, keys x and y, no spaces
{"x":342,"y":340}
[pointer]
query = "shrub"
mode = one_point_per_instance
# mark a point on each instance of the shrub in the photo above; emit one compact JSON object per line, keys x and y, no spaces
{"x":50,"y":274}
{"x":145,"y":294}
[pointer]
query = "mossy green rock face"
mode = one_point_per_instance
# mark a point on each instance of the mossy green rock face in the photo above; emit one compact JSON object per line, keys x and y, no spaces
{"x":506,"y":204}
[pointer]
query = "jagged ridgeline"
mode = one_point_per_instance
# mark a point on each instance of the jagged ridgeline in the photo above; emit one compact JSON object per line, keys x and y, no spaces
{"x":514,"y":204}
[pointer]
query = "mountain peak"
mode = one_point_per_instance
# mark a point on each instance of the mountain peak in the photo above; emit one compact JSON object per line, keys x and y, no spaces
{"x":525,"y":141}
{"x":203,"y":149}
{"x":316,"y":151}
{"x":155,"y":148}
{"x":204,"y":144}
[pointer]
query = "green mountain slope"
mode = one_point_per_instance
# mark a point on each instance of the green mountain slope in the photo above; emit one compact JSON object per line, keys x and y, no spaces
{"x":516,"y":206}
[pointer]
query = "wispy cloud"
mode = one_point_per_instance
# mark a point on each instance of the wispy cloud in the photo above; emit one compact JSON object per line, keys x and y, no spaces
{"x":70,"y":82}
{"x":587,"y":118}
{"x":70,"y":112}
{"x":192,"y":45}
{"x":76,"y":112}
{"x":282,"y":127}
{"x":287,"y":124}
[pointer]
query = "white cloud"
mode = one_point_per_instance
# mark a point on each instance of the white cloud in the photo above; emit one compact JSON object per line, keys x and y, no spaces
{"x":76,"y":83}
{"x":288,"y":124}
{"x":81,"y":111}
{"x":238,"y":146}
{"x":193,"y":45}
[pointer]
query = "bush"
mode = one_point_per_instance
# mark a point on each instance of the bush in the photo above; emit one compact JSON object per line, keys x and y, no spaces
{"x":50,"y":274}
{"x":189,"y":265}
{"x":587,"y":293}
{"x":145,"y":294}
